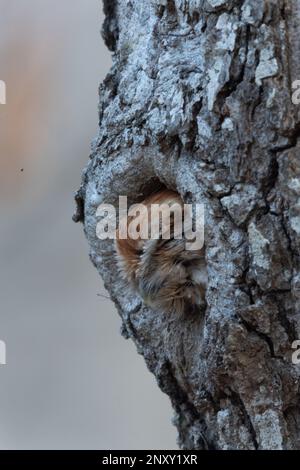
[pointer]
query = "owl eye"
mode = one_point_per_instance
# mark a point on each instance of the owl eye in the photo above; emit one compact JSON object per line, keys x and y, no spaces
{"x":185,"y":263}
{"x":177,"y":261}
{"x":163,"y":244}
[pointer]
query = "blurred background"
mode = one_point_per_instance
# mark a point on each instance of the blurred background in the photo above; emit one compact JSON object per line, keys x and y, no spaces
{"x":71,"y":381}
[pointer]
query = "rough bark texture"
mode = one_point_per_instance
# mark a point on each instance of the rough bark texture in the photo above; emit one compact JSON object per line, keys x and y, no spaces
{"x":199,"y":100}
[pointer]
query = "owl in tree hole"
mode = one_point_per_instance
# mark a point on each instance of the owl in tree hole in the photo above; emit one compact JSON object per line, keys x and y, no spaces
{"x":168,"y":276}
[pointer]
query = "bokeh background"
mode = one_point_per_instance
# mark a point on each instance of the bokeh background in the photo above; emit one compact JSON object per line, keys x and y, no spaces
{"x":71,"y":381}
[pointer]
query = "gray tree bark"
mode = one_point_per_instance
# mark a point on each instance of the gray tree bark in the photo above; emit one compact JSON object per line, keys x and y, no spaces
{"x":199,"y":100}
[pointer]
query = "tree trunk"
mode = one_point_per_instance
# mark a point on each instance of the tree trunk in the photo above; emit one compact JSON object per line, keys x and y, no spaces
{"x":199,"y":99}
